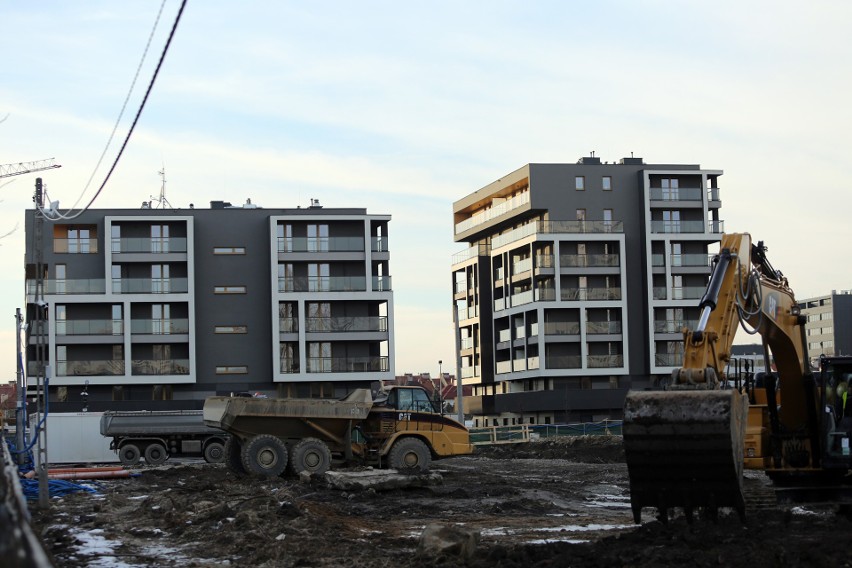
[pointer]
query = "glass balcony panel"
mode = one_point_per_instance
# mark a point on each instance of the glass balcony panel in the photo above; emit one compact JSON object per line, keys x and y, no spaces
{"x":148,"y":244}
{"x":504,"y":335}
{"x":603,"y":327}
{"x":604,"y":361}
{"x":676,"y":194}
{"x":346,"y":324}
{"x":381,"y":283}
{"x":105,"y":367}
{"x":486,"y":215}
{"x":159,"y":366}
{"x":159,"y":326}
{"x":502,"y":368}
{"x":688,"y":292}
{"x":673,"y":326}
{"x":65,"y":286}
{"x":288,"y":325}
{"x":660,"y":293}
{"x":75,"y":246}
{"x":328,"y":244}
{"x":519,"y":364}
{"x":544,"y":261}
{"x":379,"y":244}
{"x":691,"y":260}
{"x":522,"y":298}
{"x":89,"y":327}
{"x":347,"y":364}
{"x":545,"y":295}
{"x":563,"y":362}
{"x":466,"y":343}
{"x":561,"y":328}
{"x":524,"y":265}
{"x":668,"y":359}
{"x":150,"y":286}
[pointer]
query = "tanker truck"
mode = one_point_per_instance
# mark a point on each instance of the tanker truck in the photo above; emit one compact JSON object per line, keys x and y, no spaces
{"x":401,"y":428}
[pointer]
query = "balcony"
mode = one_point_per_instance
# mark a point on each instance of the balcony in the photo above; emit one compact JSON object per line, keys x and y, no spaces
{"x":468,"y":313}
{"x":668,"y":359}
{"x":288,"y":325}
{"x":346,"y":324}
{"x":105,"y":367}
{"x":482,"y":217}
{"x":347,"y":364}
{"x":589,"y":294}
{"x":379,"y":244}
{"x":563,"y":362}
{"x":151,"y":245}
{"x":555,"y":227}
{"x":589,"y":260}
{"x":673,"y":326}
{"x":504,"y":335}
{"x":690,"y":227}
{"x":89,"y":327}
{"x":328,"y":244}
{"x":468,"y":372}
{"x":544,"y":261}
{"x":150,"y":286}
{"x":471,"y":252}
{"x":676,"y":194}
{"x":503,"y":367}
{"x":603,"y":327}
{"x":713,"y":194}
{"x":159,"y":326}
{"x":381,"y":283}
{"x":466,"y":343}
{"x":604,"y":361}
{"x":561,"y":328}
{"x":288,"y":366}
{"x":683,"y":260}
{"x":80,"y":286}
{"x":75,"y":246}
{"x":660,"y":293}
{"x":532,"y":363}
{"x":323,"y":284}
{"x":545,"y":295}
{"x":159,"y":367}
{"x":524,"y":265}
{"x":688,"y":292}
{"x":519,"y":364}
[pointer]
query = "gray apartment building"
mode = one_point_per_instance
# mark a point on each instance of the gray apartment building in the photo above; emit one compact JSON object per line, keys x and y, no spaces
{"x":827,"y":328}
{"x":159,"y":308}
{"x":576,"y":283}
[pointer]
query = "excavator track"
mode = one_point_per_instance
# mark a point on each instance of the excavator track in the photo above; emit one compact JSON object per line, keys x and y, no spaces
{"x":684,"y":449}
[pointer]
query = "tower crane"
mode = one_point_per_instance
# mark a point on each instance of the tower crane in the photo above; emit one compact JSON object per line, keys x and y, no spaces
{"x":7,"y":170}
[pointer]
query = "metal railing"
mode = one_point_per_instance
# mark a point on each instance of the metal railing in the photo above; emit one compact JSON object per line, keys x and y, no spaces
{"x":346,"y":324}
{"x":347,"y":364}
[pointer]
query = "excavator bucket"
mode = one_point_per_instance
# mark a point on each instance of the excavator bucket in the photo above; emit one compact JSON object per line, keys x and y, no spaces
{"x":684,"y":448}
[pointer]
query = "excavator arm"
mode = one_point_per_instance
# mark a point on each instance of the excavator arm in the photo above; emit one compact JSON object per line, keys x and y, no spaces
{"x":685,"y":445}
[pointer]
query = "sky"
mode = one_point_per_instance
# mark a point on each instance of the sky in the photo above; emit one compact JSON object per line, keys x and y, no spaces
{"x":403,"y":108}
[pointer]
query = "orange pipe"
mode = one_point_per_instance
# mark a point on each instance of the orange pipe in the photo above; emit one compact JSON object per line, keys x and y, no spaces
{"x":90,"y":475}
{"x":67,"y":469}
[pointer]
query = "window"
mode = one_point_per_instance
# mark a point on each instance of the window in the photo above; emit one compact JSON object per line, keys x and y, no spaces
{"x":285,"y":238}
{"x":671,"y":221}
{"x":286,"y":281}
{"x":78,"y":241}
{"x":230,"y":329}
{"x":607,"y":218}
{"x":159,"y":278}
{"x":318,"y":279}
{"x":116,"y":238}
{"x":317,"y":238}
{"x":319,"y":357}
{"x":606,"y":183}
{"x":289,"y":358}
{"x":160,"y":319}
{"x":229,"y":289}
{"x":232,"y":370}
{"x":61,"y":316}
{"x":670,"y":189}
{"x":117,"y":320}
{"x":159,"y":238}
{"x":229,"y":250}
{"x":580,"y":183}
{"x":581,"y":214}
{"x":116,"y":278}
{"x":60,"y":278}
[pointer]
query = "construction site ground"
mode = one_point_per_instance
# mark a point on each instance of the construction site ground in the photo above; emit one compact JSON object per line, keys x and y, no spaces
{"x":555,"y":502}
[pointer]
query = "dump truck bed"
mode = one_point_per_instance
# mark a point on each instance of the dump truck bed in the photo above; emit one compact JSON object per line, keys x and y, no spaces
{"x":151,"y":423}
{"x":287,"y":417}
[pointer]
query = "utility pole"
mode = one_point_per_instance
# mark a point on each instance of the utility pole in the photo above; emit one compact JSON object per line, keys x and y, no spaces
{"x":459,"y":386}
{"x":42,"y":371}
{"x":21,"y":411}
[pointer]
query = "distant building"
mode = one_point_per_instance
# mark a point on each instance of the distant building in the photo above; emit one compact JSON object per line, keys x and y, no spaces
{"x":828,"y":329}
{"x":576,"y":283}
{"x":160,"y":308}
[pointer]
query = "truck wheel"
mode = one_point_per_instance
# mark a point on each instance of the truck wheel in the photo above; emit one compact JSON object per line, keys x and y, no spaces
{"x":214,"y":452}
{"x":129,"y":454}
{"x":310,"y":455}
{"x":233,"y":448}
{"x":410,"y":455}
{"x":265,"y":455}
{"x":155,"y":454}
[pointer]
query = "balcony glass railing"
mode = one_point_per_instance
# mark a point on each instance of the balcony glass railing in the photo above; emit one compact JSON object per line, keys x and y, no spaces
{"x":89,"y":327}
{"x":89,"y":368}
{"x":159,"y":326}
{"x":468,"y":313}
{"x":471,"y":252}
{"x":324,"y":244}
{"x":323,"y":284}
{"x":604,"y":361}
{"x":381,"y":283}
{"x":668,"y":359}
{"x":499,"y":304}
{"x":603,"y":327}
{"x":588,"y":260}
{"x":524,"y":265}
{"x":522,"y":298}
{"x":519,"y":365}
{"x":544,"y":261}
{"x":687,"y":227}
{"x":691,"y":260}
{"x":288,"y":366}
{"x":551,"y":227}
{"x":588,"y":294}
{"x":468,"y":372}
{"x":545,"y":294}
{"x":503,"y":367}
{"x":659,"y":293}
{"x":288,"y":325}
{"x":563,"y":362}
{"x":673,"y":326}
{"x":688,"y":292}
{"x":150,"y":286}
{"x":713,"y":194}
{"x":532,"y":363}
{"x":159,"y":366}
{"x":79,"y":286}
{"x":347,"y":364}
{"x":486,"y":215}
{"x":676,"y":194}
{"x":379,"y":244}
{"x":561,"y":328}
{"x":148,"y":244}
{"x":466,"y":343}
{"x":346,"y":324}
{"x":75,"y":246}
{"x":504,"y":335}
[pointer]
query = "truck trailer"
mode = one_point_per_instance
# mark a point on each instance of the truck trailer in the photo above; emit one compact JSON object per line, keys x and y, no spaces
{"x":157,"y":435}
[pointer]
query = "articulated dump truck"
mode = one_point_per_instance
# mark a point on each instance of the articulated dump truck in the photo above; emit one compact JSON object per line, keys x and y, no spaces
{"x":686,"y":446}
{"x":400,"y":429}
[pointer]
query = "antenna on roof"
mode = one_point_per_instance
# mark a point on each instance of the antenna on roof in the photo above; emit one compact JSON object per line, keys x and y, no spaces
{"x":162,"y":202}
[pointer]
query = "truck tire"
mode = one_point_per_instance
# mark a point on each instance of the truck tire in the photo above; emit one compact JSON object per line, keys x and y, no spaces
{"x":233,"y":448}
{"x":214,"y":452}
{"x":129,"y":454}
{"x":155,"y":454}
{"x":265,"y":455}
{"x":311,"y":455}
{"x":410,"y":455}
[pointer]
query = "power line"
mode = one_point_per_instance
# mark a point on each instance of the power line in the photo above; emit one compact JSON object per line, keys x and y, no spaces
{"x":135,"y":119}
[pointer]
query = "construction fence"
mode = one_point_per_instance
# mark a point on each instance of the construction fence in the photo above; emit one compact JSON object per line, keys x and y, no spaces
{"x":525,"y":432}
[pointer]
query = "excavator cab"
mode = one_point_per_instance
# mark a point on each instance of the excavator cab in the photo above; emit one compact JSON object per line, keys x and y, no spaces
{"x":835,"y":378}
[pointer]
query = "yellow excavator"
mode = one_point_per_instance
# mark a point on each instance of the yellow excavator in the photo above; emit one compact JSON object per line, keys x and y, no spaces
{"x":686,"y":446}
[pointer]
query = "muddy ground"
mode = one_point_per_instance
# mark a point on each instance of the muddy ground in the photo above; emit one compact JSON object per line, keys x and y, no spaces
{"x":556,"y":502}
